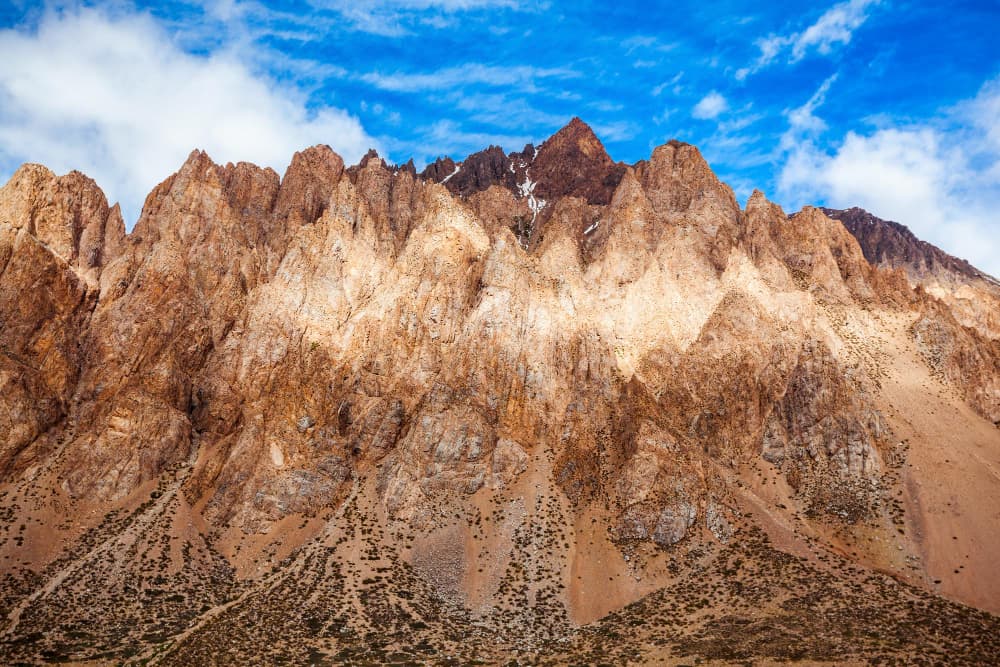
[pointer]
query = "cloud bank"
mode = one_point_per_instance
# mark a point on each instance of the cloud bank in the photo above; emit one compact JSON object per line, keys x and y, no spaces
{"x":115,"y":97}
{"x":940,"y":177}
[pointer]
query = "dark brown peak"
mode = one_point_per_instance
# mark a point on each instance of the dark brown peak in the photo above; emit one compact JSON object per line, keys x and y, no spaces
{"x":576,"y":137}
{"x":574,"y":128}
{"x":888,"y":243}
{"x":573,"y":162}
{"x":438,"y":170}
{"x":478,"y":172}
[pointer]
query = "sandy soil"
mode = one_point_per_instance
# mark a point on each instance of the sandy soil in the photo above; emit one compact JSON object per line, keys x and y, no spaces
{"x":951,"y":480}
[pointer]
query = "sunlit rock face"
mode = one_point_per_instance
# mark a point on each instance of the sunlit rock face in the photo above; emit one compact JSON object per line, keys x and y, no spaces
{"x":614,"y":368}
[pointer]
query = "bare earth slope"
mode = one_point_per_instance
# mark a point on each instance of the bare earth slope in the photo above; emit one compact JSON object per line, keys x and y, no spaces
{"x":539,"y":406}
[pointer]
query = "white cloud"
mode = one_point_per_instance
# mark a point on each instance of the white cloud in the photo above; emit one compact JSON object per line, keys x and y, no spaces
{"x":710,"y":106}
{"x":835,"y":27}
{"x":115,"y":97}
{"x":615,"y":131}
{"x":940,"y":178}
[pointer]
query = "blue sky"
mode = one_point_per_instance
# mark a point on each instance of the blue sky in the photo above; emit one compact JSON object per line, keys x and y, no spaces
{"x":892,"y":105}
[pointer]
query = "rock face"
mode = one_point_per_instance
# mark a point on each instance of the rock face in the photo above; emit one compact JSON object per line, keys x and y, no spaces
{"x":500,"y":380}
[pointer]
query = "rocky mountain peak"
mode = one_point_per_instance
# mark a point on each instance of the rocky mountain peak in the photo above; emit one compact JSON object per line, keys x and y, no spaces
{"x":68,"y":214}
{"x":308,"y":182}
{"x":577,"y":136}
{"x":574,"y":162}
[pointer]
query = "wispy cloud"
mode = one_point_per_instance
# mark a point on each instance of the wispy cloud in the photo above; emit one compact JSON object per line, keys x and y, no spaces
{"x":835,"y":27}
{"x":393,"y":18}
{"x":502,"y":110}
{"x":673,"y":82}
{"x":113,"y":96}
{"x":803,"y":123}
{"x":521,"y":77}
{"x":616,"y":131}
{"x":646,"y":44}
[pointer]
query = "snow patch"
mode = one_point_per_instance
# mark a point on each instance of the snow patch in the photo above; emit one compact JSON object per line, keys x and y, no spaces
{"x":447,"y":178}
{"x":527,"y":189}
{"x":592,"y":227}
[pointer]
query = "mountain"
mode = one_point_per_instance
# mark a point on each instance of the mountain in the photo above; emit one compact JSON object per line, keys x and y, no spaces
{"x":541,"y":407}
{"x":887,"y":243}
{"x":971,"y":295}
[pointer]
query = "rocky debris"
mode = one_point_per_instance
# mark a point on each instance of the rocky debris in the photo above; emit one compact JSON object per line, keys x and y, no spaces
{"x":673,"y":523}
{"x":960,"y":356}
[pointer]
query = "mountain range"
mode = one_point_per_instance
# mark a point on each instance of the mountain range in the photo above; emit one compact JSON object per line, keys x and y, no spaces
{"x":539,"y":407}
